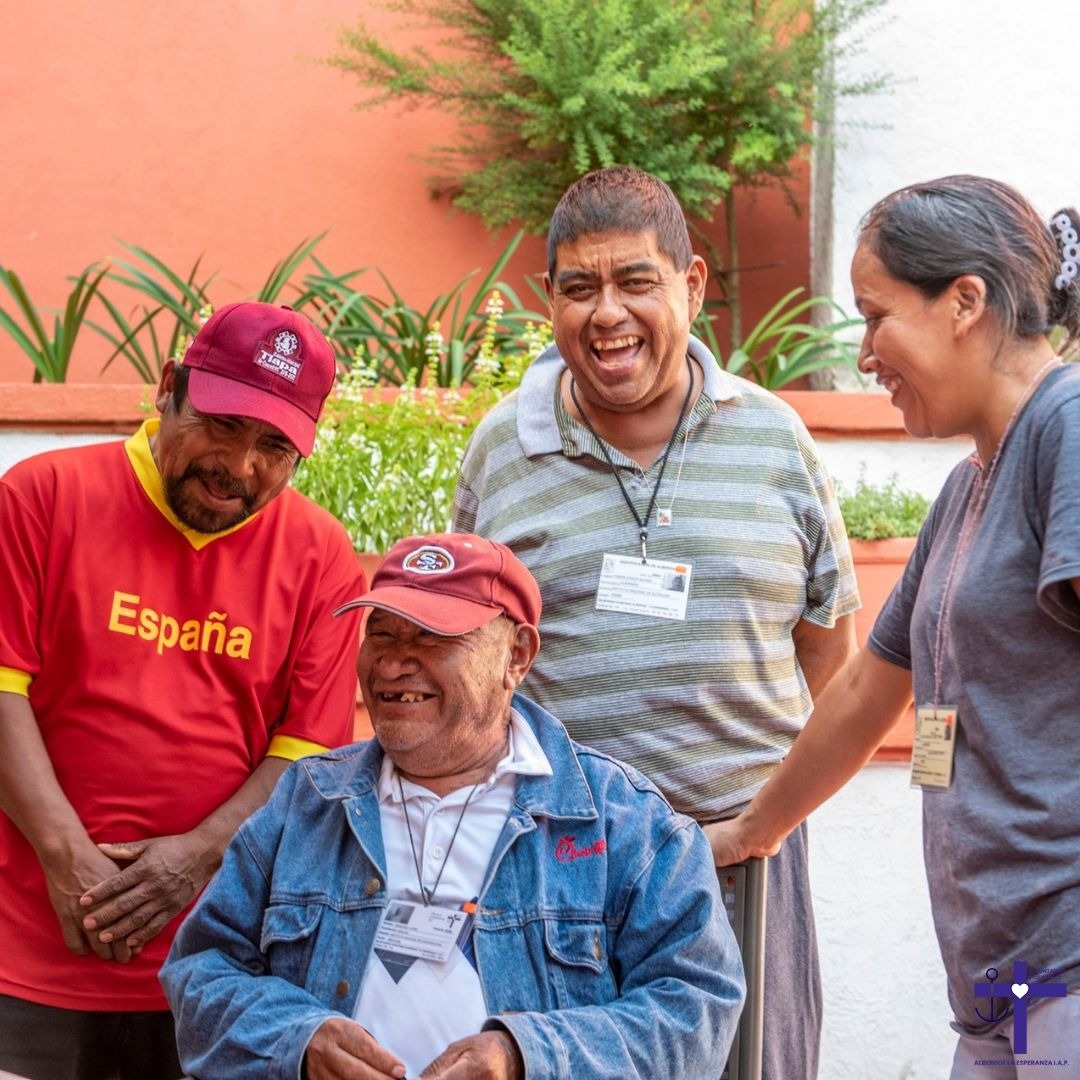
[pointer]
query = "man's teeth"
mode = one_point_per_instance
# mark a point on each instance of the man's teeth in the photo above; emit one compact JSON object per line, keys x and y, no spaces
{"x":407,"y":696}
{"x":615,"y":343}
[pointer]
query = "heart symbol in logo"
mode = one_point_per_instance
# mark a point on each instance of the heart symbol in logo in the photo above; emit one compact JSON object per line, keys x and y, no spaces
{"x":1019,"y":990}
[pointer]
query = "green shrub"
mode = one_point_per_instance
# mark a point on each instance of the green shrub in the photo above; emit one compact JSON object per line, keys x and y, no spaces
{"x":385,"y":462}
{"x":711,"y":95}
{"x":880,"y":511}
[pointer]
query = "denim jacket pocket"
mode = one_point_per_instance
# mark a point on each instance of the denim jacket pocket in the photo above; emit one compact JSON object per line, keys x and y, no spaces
{"x":288,"y":936}
{"x":579,"y":971}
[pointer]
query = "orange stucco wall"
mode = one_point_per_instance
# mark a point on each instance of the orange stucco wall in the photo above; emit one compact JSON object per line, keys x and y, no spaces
{"x":209,"y":129}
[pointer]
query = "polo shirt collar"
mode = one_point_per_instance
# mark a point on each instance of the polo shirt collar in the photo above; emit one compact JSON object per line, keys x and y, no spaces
{"x":537,"y":420}
{"x":524,"y":757}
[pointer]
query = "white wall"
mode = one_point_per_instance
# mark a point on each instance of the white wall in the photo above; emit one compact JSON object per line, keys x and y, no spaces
{"x":16,"y":445}
{"x":986,"y":88}
{"x":919,"y":466}
{"x":886,"y":1013}
{"x":982,"y":88}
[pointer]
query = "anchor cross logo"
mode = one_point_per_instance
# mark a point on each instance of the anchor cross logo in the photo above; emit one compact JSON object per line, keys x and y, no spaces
{"x":1020,"y":994}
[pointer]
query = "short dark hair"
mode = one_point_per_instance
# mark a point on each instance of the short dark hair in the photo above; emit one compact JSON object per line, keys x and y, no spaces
{"x":929,"y":234}
{"x":181,"y":374}
{"x":620,"y":199}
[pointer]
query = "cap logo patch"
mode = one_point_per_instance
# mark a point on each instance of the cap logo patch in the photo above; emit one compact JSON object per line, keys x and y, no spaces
{"x":281,"y":355}
{"x":428,"y":560}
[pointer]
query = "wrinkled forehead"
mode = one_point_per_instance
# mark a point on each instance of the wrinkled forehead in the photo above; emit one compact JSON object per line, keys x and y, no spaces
{"x":610,"y":253}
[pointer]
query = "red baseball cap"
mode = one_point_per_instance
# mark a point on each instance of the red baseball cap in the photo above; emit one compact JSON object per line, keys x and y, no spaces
{"x":266,"y":362}
{"x":451,"y":583}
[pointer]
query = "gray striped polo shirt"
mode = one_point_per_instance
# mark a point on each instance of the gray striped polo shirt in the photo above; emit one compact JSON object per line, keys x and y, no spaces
{"x":705,"y":707}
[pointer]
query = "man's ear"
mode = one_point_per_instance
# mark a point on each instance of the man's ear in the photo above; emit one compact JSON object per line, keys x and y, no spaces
{"x":967,"y":302}
{"x":524,"y":646}
{"x":549,"y":290}
{"x":697,"y":273}
{"x":166,"y":386}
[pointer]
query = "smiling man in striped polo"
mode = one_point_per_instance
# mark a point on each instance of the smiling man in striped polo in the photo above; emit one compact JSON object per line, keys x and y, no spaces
{"x":697,"y":582}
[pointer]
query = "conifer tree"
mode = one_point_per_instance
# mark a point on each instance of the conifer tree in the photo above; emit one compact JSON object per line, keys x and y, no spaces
{"x":710,"y":95}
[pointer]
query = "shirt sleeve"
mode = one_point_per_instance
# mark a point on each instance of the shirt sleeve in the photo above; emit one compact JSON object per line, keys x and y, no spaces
{"x":831,"y":589}
{"x":1057,"y":490}
{"x":23,"y":542}
{"x":466,"y":504}
{"x":465,"y":507}
{"x":322,"y":686}
{"x":291,"y":749}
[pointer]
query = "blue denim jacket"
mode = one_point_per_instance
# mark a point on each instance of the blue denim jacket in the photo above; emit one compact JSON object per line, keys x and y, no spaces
{"x":620,"y":964}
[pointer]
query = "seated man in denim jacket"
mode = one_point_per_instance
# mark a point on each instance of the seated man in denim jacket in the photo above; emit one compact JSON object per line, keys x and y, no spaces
{"x":471,"y":895}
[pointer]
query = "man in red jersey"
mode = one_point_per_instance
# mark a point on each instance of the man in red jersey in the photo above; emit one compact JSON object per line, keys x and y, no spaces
{"x":165,"y":650}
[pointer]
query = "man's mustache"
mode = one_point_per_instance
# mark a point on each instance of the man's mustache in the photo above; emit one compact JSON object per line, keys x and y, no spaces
{"x":221,"y":482}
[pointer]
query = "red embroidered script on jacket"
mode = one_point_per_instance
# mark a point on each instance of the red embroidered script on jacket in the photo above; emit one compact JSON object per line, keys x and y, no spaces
{"x":566,"y":850}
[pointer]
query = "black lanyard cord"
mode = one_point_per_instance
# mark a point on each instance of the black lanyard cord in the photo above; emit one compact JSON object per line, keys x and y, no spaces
{"x":427,"y":895}
{"x":643,"y":525}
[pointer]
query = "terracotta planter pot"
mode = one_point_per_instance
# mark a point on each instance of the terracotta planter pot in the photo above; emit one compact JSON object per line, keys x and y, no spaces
{"x":878,"y":566}
{"x":837,"y":414}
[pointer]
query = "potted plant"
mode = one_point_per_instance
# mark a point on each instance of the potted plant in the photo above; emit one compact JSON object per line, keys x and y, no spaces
{"x":882,"y":521}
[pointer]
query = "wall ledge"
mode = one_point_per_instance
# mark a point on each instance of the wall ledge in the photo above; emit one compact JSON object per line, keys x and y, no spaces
{"x":844,"y":414}
{"x":122,"y":407}
{"x":75,"y":407}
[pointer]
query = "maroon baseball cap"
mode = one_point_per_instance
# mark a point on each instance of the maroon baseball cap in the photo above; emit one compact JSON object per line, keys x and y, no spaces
{"x":451,"y":583}
{"x":266,"y":362}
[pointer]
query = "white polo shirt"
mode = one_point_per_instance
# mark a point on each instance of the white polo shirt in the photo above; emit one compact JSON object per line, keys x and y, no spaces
{"x":413,"y":1007}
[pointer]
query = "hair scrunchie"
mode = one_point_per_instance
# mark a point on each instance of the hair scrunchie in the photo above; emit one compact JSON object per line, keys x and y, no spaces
{"x":1068,"y":241}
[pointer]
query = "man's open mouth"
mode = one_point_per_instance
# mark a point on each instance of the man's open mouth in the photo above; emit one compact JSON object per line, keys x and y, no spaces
{"x":620,"y":348}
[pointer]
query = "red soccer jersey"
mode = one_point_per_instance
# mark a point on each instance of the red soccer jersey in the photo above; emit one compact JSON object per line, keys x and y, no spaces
{"x":161,"y":665}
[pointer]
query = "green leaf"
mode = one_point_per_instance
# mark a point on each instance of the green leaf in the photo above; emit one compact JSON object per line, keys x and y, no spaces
{"x":283,"y":270}
{"x":50,"y":354}
{"x":780,"y":348}
{"x":394,"y":335}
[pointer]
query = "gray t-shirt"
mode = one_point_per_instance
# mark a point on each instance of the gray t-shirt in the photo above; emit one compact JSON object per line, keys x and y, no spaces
{"x":1002,"y":844}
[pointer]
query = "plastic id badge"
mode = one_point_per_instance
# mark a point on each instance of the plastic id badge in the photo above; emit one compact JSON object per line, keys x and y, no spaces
{"x":655,"y":588}
{"x":429,"y":933}
{"x":933,"y":747}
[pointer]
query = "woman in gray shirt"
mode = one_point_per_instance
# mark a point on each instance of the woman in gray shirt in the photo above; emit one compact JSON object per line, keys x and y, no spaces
{"x":961,"y":283}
